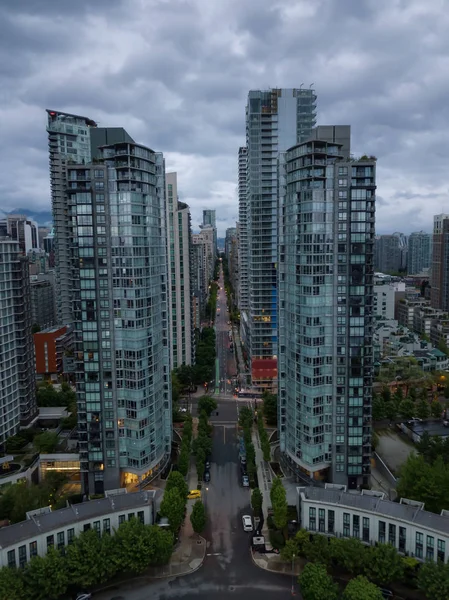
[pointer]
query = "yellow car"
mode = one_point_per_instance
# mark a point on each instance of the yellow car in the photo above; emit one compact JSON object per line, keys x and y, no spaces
{"x":194,"y":495}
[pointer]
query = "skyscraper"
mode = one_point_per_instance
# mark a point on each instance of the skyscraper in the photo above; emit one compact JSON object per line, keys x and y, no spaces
{"x":22,"y":229}
{"x":118,"y":261}
{"x":17,"y":379}
{"x":326,"y":239}
{"x":390,"y":253}
{"x":439,"y":291}
{"x":243,"y":299}
{"x":275,"y":120}
{"x":419,"y":252}
{"x":209,"y":220}
{"x":179,"y":285}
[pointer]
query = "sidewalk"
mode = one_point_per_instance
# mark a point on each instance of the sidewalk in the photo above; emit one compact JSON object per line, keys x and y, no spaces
{"x":264,"y":479}
{"x":273,"y":562}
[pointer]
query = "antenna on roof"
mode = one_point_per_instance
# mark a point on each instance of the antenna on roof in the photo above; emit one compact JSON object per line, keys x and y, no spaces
{"x":311,"y":85}
{"x":301,"y":85}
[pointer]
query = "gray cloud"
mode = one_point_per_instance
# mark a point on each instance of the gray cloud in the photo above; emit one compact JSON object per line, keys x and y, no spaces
{"x":176,"y":73}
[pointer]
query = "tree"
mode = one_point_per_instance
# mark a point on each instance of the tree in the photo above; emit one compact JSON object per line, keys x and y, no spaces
{"x":422,"y":409}
{"x":207,"y":404}
{"x":183,"y":461}
{"x":161,"y":544}
{"x":390,"y":410}
{"x":12,"y":585}
{"x":436,"y":409}
{"x":348,"y":554}
{"x":316,"y":584}
{"x":134,"y":545}
{"x":15,"y":444}
{"x":406,"y":408}
{"x":175,"y":388}
{"x":184,"y":374}
{"x":46,"y":442}
{"x":176,"y":480}
{"x":46,"y":577}
{"x":318,"y":550}
{"x":378,"y":408}
{"x":279,"y":504}
{"x":198,"y":517}
{"x":173,"y":507}
{"x":424,"y":482}
{"x":433,"y":580}
{"x":87,"y":562}
{"x":383,"y":564}
{"x":257,"y":501}
{"x":246,"y":417}
{"x":270,"y":408}
{"x":362,"y":589}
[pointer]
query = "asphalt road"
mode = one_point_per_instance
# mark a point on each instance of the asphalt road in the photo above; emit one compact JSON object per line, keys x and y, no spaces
{"x":227,"y":366}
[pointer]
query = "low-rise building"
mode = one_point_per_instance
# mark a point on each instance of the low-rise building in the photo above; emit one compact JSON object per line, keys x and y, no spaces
{"x":44,"y":528}
{"x":372,"y":518}
{"x":53,"y":347}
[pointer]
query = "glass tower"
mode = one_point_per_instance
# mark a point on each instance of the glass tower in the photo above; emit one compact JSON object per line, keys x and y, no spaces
{"x":275,"y":120}
{"x":119,"y":269}
{"x":326,"y":239}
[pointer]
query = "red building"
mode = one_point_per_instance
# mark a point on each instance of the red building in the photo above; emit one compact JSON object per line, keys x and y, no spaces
{"x":264,"y":372}
{"x":51,"y":346}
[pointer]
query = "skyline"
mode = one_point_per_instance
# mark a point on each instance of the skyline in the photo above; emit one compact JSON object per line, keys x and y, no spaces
{"x":177,"y":85}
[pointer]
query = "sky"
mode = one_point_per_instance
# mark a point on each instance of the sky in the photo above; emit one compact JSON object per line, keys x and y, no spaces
{"x":176,"y":74}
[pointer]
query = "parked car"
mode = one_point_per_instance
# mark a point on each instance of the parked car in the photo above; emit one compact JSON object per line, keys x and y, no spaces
{"x":206,"y":477}
{"x":414,"y":421}
{"x":194,"y":495}
{"x":245,"y":480}
{"x":84,"y":597}
{"x":207,"y":465}
{"x":243,"y":460}
{"x":247,"y":523}
{"x":386,"y":593}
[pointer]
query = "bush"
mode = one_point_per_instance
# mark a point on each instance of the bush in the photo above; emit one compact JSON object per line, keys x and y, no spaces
{"x":277,"y":539}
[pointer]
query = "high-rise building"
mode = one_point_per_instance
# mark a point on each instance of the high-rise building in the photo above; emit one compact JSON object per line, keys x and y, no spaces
{"x":210,"y":221}
{"x":72,"y":139}
{"x":243,"y":291}
{"x":419,"y":252}
{"x":17,"y":378}
{"x":390,"y":253}
{"x":326,"y":266}
{"x":22,"y":229}
{"x":439,"y":292}
{"x":43,"y":301}
{"x":179,"y":285}
{"x":275,"y":120}
{"x":118,"y":261}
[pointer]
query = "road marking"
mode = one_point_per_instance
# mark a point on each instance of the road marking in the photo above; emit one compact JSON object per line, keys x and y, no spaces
{"x":213,"y":554}
{"x":224,"y":435}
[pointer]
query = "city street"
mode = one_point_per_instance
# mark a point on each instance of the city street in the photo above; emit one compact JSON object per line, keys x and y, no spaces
{"x":226,"y":359}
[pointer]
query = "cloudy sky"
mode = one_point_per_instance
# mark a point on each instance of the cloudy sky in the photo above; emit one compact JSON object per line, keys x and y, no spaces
{"x":175,"y":74}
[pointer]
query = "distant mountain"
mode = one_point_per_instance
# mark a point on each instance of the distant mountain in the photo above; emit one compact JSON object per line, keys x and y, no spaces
{"x":43,"y":218}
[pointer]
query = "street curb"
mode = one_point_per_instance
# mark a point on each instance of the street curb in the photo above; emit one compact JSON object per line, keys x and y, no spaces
{"x":266,"y":568}
{"x":190,"y":570}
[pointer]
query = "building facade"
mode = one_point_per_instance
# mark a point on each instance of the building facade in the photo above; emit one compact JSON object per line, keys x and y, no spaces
{"x":326,"y":267}
{"x":43,"y":301}
{"x":179,"y":285}
{"x":45,"y":529}
{"x":419,"y":252}
{"x":243,"y":302}
{"x":51,"y":345}
{"x":22,"y":229}
{"x":210,"y":220}
{"x":119,"y":266}
{"x":275,"y":120}
{"x":17,"y":378}
{"x":372,"y":518}
{"x":439,"y":292}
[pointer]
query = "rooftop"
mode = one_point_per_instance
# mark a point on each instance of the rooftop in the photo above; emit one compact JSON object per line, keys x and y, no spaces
{"x":59,"y":519}
{"x":432,"y":428}
{"x":379,"y":506}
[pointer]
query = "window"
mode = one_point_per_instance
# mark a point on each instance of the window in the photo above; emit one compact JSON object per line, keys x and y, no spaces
{"x":365,"y":532}
{"x":22,"y":556}
{"x":356,"y":526}
{"x":11,"y":559}
{"x":50,"y":541}
{"x":131,"y":516}
{"x":106,"y":525}
{"x":441,"y":550}
{"x":312,"y":518}
{"x":86,"y":527}
{"x":70,"y":535}
{"x":99,"y":174}
{"x":346,"y":524}
{"x":381,"y":532}
{"x":141,"y":516}
{"x":121,"y":519}
{"x":392,"y":534}
{"x":419,"y":545}
{"x":97,"y":527}
{"x":60,"y":540}
{"x":430,"y":547}
{"x":330,"y":521}
{"x":33,"y":549}
{"x":321,"y":520}
{"x":402,"y":538}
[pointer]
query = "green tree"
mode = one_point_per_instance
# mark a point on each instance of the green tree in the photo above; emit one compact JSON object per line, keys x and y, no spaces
{"x":406,"y":408}
{"x":46,"y":577}
{"x":318,"y":551}
{"x":422,"y":409}
{"x":183,"y":461}
{"x":362,"y":589}
{"x":46,"y":442}
{"x":173,"y":507}
{"x":302,"y":538}
{"x":270,"y":409}
{"x":391,"y":410}
{"x":349,"y":554}
{"x":198,"y":517}
{"x":185,"y":376}
{"x":433,"y":580}
{"x":424,"y":482}
{"x":378,"y":408}
{"x":246,"y":417}
{"x":207,"y":404}
{"x":257,"y":501}
{"x":86,"y":560}
{"x":279,"y":503}
{"x":15,"y":444}
{"x":161,"y":545}
{"x":290,"y":550}
{"x":175,"y":388}
{"x":12,"y":586}
{"x":176,"y":480}
{"x":134,"y":545}
{"x":316,"y":584}
{"x":383,"y":564}
{"x":436,"y":409}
